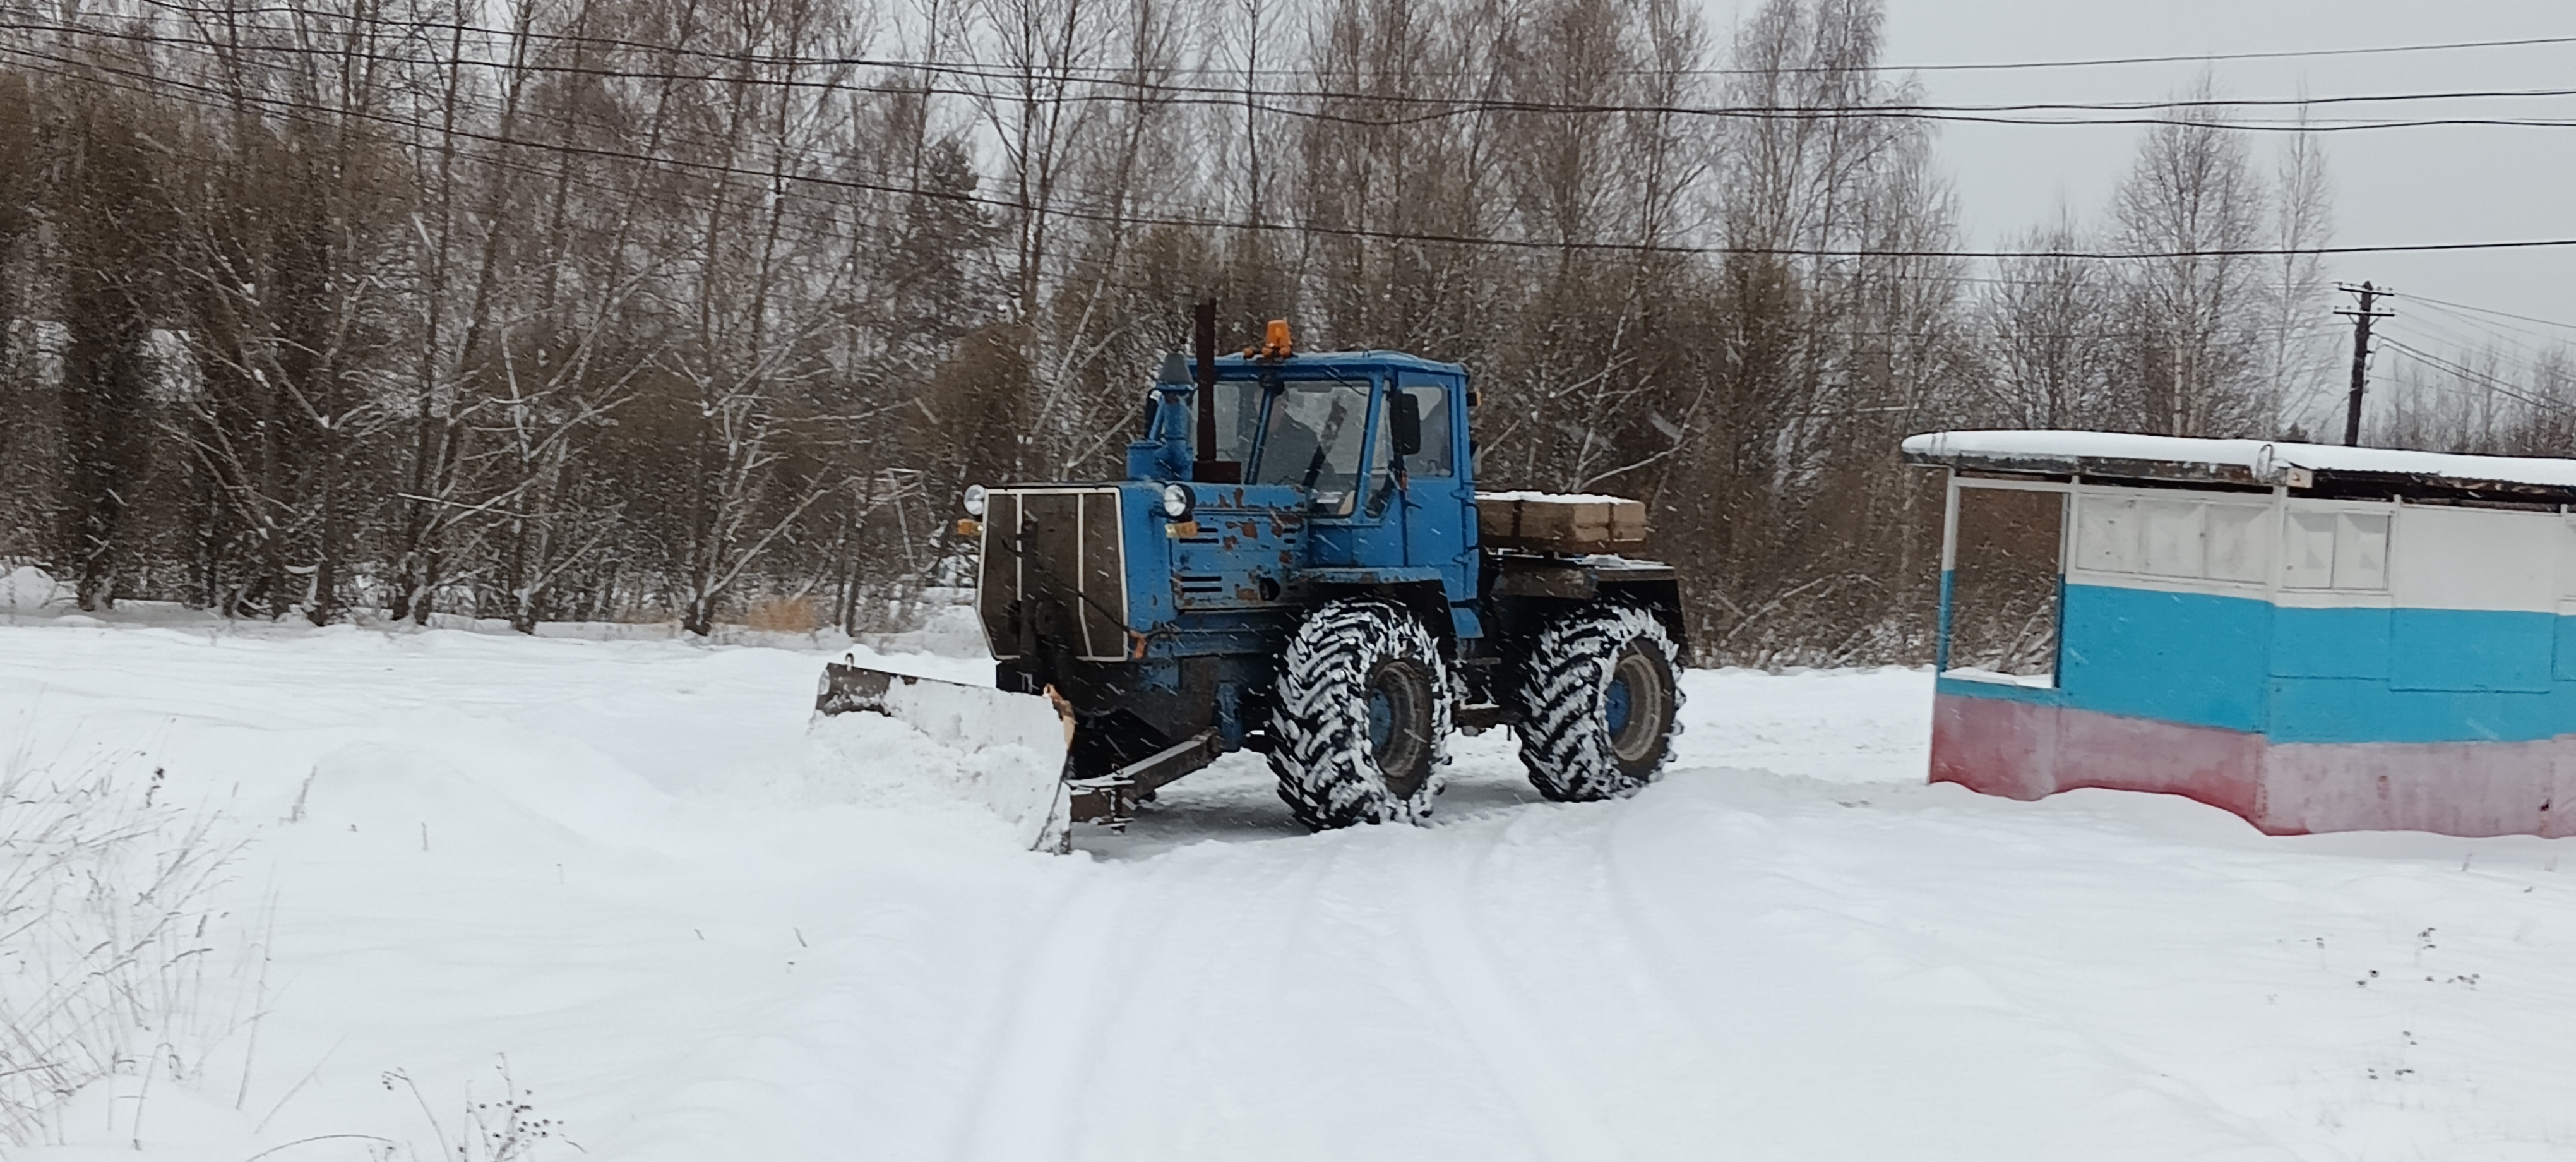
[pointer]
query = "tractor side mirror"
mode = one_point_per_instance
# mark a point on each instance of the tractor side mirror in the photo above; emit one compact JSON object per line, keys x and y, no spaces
{"x":1405,"y":412}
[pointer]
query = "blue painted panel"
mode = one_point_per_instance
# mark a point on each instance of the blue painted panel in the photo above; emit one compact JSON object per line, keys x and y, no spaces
{"x":2201,"y":660}
{"x":2193,"y":658}
{"x":1148,"y":555}
{"x":1337,"y":543}
{"x":2352,"y":710}
{"x":1237,"y":553}
{"x":2564,"y":666}
{"x":2362,"y":710}
{"x":2461,"y":649}
{"x":2329,"y":643}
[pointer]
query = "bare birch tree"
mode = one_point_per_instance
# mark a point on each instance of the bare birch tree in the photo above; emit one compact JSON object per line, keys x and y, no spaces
{"x":2194,"y":203}
{"x":2298,"y":356}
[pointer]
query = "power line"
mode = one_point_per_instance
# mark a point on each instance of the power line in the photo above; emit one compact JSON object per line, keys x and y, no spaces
{"x":217,"y":98}
{"x":2482,"y":335}
{"x":2438,"y":363}
{"x":2282,"y":54}
{"x":2446,"y":381}
{"x":2263,"y":102}
{"x":2479,"y":337}
{"x":2454,"y":367}
{"x":1435,"y":108}
{"x":2528,"y":361}
{"x":2490,"y":311}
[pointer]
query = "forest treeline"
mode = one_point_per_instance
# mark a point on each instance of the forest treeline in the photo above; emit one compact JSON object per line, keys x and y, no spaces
{"x":672,"y":309}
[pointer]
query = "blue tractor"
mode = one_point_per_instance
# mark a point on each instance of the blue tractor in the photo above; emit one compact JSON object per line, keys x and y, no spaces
{"x":1295,"y":564}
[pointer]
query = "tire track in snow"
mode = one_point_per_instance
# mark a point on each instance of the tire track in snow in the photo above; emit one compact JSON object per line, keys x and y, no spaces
{"x":1189,"y":959}
{"x":1019,"y":1112}
{"x":1558,"y":1108}
{"x":1075,"y":991}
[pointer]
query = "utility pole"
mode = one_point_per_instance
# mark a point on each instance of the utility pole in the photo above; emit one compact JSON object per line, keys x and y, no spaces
{"x":2360,"y":353}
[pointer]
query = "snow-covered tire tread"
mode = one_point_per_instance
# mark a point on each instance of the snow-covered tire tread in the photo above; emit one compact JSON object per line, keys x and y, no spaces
{"x":1319,"y":733}
{"x":1561,"y":687}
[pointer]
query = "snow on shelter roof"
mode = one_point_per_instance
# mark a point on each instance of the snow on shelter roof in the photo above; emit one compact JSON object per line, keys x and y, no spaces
{"x":2257,"y":462}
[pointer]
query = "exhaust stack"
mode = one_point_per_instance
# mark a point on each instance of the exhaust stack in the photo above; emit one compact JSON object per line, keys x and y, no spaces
{"x":1203,"y":347}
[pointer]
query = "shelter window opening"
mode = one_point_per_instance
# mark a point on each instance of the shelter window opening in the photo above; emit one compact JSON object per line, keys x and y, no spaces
{"x":2001,"y":619}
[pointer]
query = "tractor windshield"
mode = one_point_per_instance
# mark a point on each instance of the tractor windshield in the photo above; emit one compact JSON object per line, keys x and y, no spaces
{"x":1313,"y":439}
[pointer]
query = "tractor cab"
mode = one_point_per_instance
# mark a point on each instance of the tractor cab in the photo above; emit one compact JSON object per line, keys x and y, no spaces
{"x":1365,"y":450}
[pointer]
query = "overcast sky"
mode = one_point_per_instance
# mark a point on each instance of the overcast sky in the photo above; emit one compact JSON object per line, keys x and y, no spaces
{"x":2440,"y":184}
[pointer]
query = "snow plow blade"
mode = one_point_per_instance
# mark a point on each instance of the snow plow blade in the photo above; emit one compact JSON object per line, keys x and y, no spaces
{"x":917,"y":740}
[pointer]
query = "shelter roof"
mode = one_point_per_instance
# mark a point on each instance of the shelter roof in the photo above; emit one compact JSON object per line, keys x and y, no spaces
{"x":2306,"y":467}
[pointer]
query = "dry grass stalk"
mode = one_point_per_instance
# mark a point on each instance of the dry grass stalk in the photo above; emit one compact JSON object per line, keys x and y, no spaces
{"x":783,"y":615}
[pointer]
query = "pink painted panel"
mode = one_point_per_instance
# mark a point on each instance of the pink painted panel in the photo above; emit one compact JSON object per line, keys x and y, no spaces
{"x":2223,"y":768}
{"x":2453,"y":788}
{"x":2021,"y":750}
{"x":1993,"y":746}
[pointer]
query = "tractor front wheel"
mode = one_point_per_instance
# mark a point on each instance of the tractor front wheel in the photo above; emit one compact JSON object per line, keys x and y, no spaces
{"x":1599,"y":703}
{"x":1362,"y":724}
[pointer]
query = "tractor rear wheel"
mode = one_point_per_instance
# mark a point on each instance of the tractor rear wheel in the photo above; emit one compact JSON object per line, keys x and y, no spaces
{"x":1599,"y":701}
{"x":1362,"y":725}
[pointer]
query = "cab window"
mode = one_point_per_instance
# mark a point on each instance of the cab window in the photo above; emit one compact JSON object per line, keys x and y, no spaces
{"x":1435,"y":458}
{"x":1313,"y":440}
{"x":1238,"y":418}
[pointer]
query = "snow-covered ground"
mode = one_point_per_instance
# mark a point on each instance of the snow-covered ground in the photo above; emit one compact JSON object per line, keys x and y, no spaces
{"x":606,"y":862}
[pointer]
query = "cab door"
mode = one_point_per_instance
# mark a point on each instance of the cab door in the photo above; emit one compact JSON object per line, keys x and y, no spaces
{"x":1365,"y":529}
{"x":1438,"y":499}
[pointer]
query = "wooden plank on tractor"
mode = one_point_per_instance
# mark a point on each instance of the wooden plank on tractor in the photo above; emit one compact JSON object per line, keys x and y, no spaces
{"x":1559,"y":523}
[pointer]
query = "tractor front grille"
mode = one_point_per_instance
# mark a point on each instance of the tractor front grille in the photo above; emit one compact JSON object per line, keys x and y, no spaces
{"x":1055,"y":566}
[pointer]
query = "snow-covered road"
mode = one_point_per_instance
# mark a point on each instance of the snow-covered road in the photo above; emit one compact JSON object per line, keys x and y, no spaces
{"x":604,"y":860}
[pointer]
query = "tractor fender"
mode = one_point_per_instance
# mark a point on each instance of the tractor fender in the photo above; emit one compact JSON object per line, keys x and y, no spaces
{"x":1417,"y":588}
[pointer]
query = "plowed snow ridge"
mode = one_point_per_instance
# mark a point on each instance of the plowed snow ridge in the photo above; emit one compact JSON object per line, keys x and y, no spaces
{"x":603,"y":860}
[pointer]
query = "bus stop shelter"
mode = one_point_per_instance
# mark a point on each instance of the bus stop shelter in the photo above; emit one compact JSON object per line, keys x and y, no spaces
{"x":2314,"y":638}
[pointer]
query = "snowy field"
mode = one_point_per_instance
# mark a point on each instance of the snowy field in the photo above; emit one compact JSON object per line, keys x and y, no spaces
{"x":606,"y":863}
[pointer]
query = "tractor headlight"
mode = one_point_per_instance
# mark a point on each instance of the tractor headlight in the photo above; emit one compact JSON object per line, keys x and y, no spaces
{"x":975,"y":500}
{"x":1178,"y":504}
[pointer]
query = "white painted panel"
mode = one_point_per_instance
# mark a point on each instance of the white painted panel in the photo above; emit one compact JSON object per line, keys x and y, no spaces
{"x":2468,"y":558}
{"x":2172,"y":538}
{"x":2567,"y":556}
{"x":2332,"y":599}
{"x":2361,"y":551}
{"x":2239,"y":542}
{"x":2308,"y":558}
{"x":2106,"y":534}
